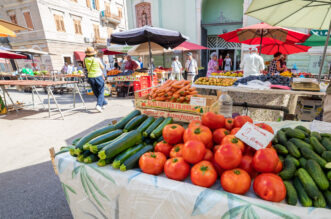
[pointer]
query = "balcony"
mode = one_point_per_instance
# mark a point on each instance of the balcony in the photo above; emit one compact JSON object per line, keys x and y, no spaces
{"x":108,"y":17}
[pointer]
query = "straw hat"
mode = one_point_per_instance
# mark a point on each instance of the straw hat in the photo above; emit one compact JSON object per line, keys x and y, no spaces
{"x":90,"y":51}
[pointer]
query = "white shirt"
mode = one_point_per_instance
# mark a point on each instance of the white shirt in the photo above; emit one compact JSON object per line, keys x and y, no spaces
{"x":70,"y":69}
{"x":176,"y":67}
{"x":191,"y":65}
{"x":252,"y":64}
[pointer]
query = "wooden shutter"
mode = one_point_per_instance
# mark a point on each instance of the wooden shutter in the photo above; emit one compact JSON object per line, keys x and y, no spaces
{"x":62,"y":24}
{"x":28,"y":19}
{"x":56,"y":19}
{"x":13,"y":18}
{"x":80,"y":28}
{"x":97,"y":4}
{"x":96,"y":31}
{"x":88,"y":3}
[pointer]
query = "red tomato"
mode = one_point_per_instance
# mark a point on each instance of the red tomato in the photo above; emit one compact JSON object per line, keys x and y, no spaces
{"x":236,"y":181}
{"x":249,"y":150}
{"x":247,"y":165}
{"x":152,"y":162}
{"x":216,"y":147}
{"x":265,"y":127}
{"x":228,"y":156}
{"x":209,"y":155}
{"x":176,"y":151}
{"x":176,"y":168}
{"x":234,"y":131}
{"x":229,"y":123}
{"x":239,"y":121}
{"x":213,"y":121}
{"x":163,"y":147}
{"x":217,"y":167}
{"x":173,"y":133}
{"x":269,"y":187}
{"x":202,"y":134}
{"x":265,"y":160}
{"x":219,"y":134}
{"x":193,"y":151}
{"x":231,"y":139}
{"x":279,"y":167}
{"x":195,"y":123}
{"x":203,"y":174}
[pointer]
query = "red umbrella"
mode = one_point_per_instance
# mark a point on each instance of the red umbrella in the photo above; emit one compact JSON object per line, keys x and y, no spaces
{"x":10,"y":55}
{"x":108,"y":52}
{"x":189,"y":46}
{"x":283,"y":48}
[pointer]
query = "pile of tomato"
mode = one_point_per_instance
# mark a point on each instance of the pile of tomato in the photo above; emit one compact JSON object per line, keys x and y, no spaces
{"x":208,"y":149}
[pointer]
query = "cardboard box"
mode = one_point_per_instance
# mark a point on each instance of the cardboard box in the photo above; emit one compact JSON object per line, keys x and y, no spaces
{"x":177,"y":117}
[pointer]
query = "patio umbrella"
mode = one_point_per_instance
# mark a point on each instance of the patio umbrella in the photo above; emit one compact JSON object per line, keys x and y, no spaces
{"x":284,"y":48}
{"x":143,"y":49}
{"x":5,"y":32}
{"x":10,"y":55}
{"x":109,"y":52}
{"x":185,"y":46}
{"x":311,"y":14}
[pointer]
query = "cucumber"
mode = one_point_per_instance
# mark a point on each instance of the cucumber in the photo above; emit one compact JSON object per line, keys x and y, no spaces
{"x":134,"y":123}
{"x":293,"y":150}
{"x":119,"y":159}
{"x":154,"y":125}
{"x":288,"y":170}
{"x":303,"y":162}
{"x":317,"y":135}
{"x":299,"y":143}
{"x":282,"y":139}
{"x":307,"y":140}
{"x":103,"y":138}
{"x":91,"y":158}
{"x":295,"y":161}
{"x":302,"y":194}
{"x":327,"y":195}
{"x":303,"y":132}
{"x":90,"y":136}
{"x":280,"y":149}
{"x":291,"y":193}
{"x":309,"y":154}
{"x":158,"y":131}
{"x":316,"y":172}
{"x":325,"y":135}
{"x":132,"y":161}
{"x":326,"y":142}
{"x":291,"y":133}
{"x":281,"y":158}
{"x":81,"y":157}
{"x":303,"y":129}
{"x":146,"y":124}
{"x":285,"y":129}
{"x":275,"y":140}
{"x":120,"y":144}
{"x":319,"y":202}
{"x":318,"y":147}
{"x":327,"y":156}
{"x":328,"y":175}
{"x":308,"y":183}
{"x":126,"y":119}
{"x":104,"y":162}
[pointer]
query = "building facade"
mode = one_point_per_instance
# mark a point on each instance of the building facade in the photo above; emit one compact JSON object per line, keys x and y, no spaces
{"x":64,"y":28}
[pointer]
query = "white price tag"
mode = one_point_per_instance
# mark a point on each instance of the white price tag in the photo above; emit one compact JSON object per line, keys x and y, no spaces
{"x":254,"y":136}
{"x":198,"y":101}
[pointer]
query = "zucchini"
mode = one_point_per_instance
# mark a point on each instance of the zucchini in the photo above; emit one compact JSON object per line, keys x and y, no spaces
{"x":319,"y":202}
{"x":291,"y":193}
{"x":153,"y":126}
{"x":288,"y":170}
{"x":327,"y":156}
{"x":325,"y":135}
{"x":295,"y":161}
{"x":317,"y":135}
{"x":308,"y":183}
{"x":281,"y":137}
{"x":103,"y":138}
{"x":120,"y":144}
{"x":91,"y":158}
{"x":81,"y":157}
{"x":291,"y":133}
{"x":104,"y":162}
{"x":299,"y":143}
{"x":316,"y":172}
{"x":293,"y":150}
{"x":158,"y":131}
{"x":146,"y":124}
{"x":326,"y":142}
{"x":149,"y":141}
{"x":303,"y":129}
{"x":119,"y":159}
{"x":64,"y":150}
{"x":96,"y":148}
{"x":132,"y":161}
{"x":302,"y":194}
{"x":318,"y":147}
{"x":309,"y":154}
{"x":126,"y":119}
{"x":327,"y":195}
{"x":134,"y":123}
{"x":280,"y":149}
{"x":303,"y":162}
{"x":74,"y":142}
{"x":90,"y":136}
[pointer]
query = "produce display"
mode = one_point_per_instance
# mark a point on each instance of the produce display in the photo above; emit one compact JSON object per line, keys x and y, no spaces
{"x":228,"y":74}
{"x":273,"y":79}
{"x":286,"y":74}
{"x":113,"y":72}
{"x":215,"y":81}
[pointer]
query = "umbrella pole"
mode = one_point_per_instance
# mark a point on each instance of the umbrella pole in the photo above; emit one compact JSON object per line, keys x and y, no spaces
{"x":324,"y":53}
{"x":261,"y":41}
{"x":150,"y":58}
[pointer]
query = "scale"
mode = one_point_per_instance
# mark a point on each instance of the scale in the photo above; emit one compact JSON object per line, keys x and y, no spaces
{"x":305,"y":84}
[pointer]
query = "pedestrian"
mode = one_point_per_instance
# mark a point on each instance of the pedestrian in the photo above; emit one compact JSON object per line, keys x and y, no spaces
{"x":100,"y":56}
{"x":176,"y":69}
{"x":70,"y":69}
{"x":191,"y":67}
{"x":275,"y":65}
{"x":227,"y":63}
{"x":212,"y":64}
{"x":64,"y":68}
{"x":252,"y":64}
{"x":95,"y":77}
{"x":123,"y":63}
{"x":116,"y":65}
{"x":141,"y":62}
{"x":220,"y":62}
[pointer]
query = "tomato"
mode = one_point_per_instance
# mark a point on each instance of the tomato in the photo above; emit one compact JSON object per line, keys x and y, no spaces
{"x":209,"y":155}
{"x":203,"y":174}
{"x":229,"y":123}
{"x":193,"y":151}
{"x":239,"y":121}
{"x":279,"y":167}
{"x":176,"y":151}
{"x":176,"y":168}
{"x":195,"y":123}
{"x":213,"y":121}
{"x":152,"y":162}
{"x":247,"y":165}
{"x":228,"y":156}
{"x":249,"y":150}
{"x":265,"y":160}
{"x":216,"y":147}
{"x":269,"y":187}
{"x":173,"y":133}
{"x":202,"y":134}
{"x":265,"y":127}
{"x":232,"y":139}
{"x":219,"y":134}
{"x":234,"y":131}
{"x":163,"y":147}
{"x":236,"y":181}
{"x":217,"y":167}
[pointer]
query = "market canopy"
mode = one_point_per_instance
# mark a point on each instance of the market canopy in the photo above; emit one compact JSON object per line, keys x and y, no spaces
{"x":119,"y":48}
{"x":5,"y":32}
{"x":109,"y":52}
{"x":12,"y":26}
{"x":284,"y":48}
{"x":143,"y":49}
{"x":189,"y":46}
{"x":79,"y":55}
{"x":317,"y":38}
{"x":31,"y":51}
{"x":10,"y":55}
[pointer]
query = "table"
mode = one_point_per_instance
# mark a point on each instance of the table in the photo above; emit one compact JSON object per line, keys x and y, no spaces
{"x":47,"y":85}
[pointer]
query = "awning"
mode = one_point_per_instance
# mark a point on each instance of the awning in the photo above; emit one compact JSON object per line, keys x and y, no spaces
{"x":189,"y":46}
{"x":108,"y":52}
{"x":79,"y":56}
{"x":10,"y":55}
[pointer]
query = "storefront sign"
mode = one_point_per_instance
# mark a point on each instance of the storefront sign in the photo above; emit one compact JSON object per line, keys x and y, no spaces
{"x":322,"y":33}
{"x":198,"y":101}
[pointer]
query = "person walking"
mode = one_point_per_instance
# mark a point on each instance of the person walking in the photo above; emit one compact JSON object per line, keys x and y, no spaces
{"x":191,"y":67}
{"x":212,"y":64}
{"x":176,"y":66}
{"x":275,"y":65}
{"x":227,"y":63}
{"x":95,"y":77}
{"x":252,"y":64}
{"x":220,"y":63}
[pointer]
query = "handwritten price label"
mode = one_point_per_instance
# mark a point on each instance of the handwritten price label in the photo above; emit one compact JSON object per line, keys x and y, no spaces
{"x":198,"y":101}
{"x":254,"y":136}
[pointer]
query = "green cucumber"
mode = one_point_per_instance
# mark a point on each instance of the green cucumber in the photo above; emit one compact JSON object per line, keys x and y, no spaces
{"x":119,"y":159}
{"x":134,"y":123}
{"x":126,"y":119}
{"x":158,"y":131}
{"x":327,"y":156}
{"x":275,"y":140}
{"x":91,"y":158}
{"x":326,"y":142}
{"x":316,"y":172}
{"x":309,"y":154}
{"x":291,"y":193}
{"x":320,"y":202}
{"x":146,"y":124}
{"x":153,"y":126}
{"x":308,"y":183}
{"x":303,"y":162}
{"x":81,"y":157}
{"x":318,"y":147}
{"x":285,"y":129}
{"x":303,"y":129}
{"x":291,"y":133}
{"x":299,"y":143}
{"x":288,"y":170}
{"x":280,"y":149}
{"x":293,"y":150}
{"x":328,"y":175}
{"x":325,"y":135}
{"x":327,"y":195}
{"x":303,"y":132}
{"x":307,"y":140}
{"x":281,"y":136}
{"x":102,"y":163}
{"x":103,"y":138}
{"x":317,"y":135}
{"x":132,"y":161}
{"x":120,"y":144}
{"x":295,"y":161}
{"x":302,"y":194}
{"x":281,"y":158}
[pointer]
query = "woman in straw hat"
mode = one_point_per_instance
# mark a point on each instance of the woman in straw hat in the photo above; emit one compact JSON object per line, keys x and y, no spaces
{"x":95,"y":77}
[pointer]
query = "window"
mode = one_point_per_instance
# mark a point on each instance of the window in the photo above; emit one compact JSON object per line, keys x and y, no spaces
{"x":95,"y":4}
{"x":96,"y":31}
{"x":13,"y":18}
{"x":28,"y":20}
{"x":107,"y":9}
{"x":143,"y":14}
{"x":78,"y":27}
{"x":59,"y":22}
{"x":119,"y":12}
{"x":88,"y":3}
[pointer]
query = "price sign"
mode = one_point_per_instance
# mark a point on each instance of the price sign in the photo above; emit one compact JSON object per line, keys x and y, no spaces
{"x":254,"y":136}
{"x":198,"y":101}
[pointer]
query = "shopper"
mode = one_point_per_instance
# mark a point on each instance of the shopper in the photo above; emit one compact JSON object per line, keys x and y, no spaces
{"x":213,"y":64}
{"x":64,"y":68}
{"x":252,"y":64}
{"x":191,"y":67}
{"x":95,"y":77}
{"x":220,"y":62}
{"x":116,"y":65}
{"x":275,"y":65}
{"x":140,"y":60}
{"x":70,"y":69}
{"x":227,"y":63}
{"x":104,"y":70}
{"x":176,"y":72}
{"x":130,"y":64}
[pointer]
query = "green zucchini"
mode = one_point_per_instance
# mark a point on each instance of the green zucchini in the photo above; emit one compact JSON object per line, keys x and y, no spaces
{"x":291,"y":133}
{"x":64,"y":150}
{"x":96,"y":148}
{"x":153,"y":126}
{"x":288,"y":170}
{"x":281,"y":136}
{"x":74,"y":142}
{"x":303,"y":129}
{"x":72,"y":152}
{"x":146,"y":124}
{"x":309,"y":154}
{"x":104,"y":162}
{"x":293,"y":150}
{"x":316,"y":172}
{"x":318,"y":147}
{"x":81,"y":157}
{"x":319,"y":202}
{"x":119,"y":159}
{"x":91,"y":158}
{"x":158,"y":131}
{"x":126,"y":119}
{"x":148,"y":141}
{"x":326,"y":142}
{"x":308,"y":183}
{"x":327,"y":156}
{"x":291,"y":193}
{"x":280,"y":149}
{"x":317,"y":135}
{"x":134,"y":123}
{"x":120,"y":144}
{"x":327,"y":195}
{"x":299,"y":143}
{"x":132,"y":161}
{"x":302,"y":194}
{"x":103,"y":138}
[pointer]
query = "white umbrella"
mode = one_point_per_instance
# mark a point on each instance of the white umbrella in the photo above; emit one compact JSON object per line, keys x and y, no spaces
{"x":143,"y":49}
